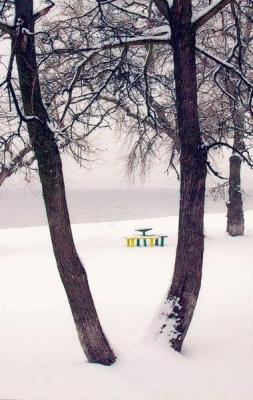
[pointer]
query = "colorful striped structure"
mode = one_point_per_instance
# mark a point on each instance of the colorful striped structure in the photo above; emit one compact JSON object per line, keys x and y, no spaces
{"x":146,"y":241}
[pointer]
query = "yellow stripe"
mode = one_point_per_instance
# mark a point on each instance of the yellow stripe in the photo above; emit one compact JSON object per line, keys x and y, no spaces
{"x":131,"y":242}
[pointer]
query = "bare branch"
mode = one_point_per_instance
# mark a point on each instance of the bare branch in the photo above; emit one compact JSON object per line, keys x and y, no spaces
{"x":235,"y":151}
{"x":6,"y":27}
{"x":163,"y":7}
{"x":39,"y":14}
{"x":16,"y":162}
{"x":159,"y":35}
{"x":209,"y":12}
{"x":227,"y":65}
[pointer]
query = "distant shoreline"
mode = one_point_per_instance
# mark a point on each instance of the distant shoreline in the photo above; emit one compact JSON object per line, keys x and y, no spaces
{"x":24,"y":207}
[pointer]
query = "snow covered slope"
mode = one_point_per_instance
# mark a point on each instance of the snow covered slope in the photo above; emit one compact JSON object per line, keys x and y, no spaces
{"x":40,"y":357}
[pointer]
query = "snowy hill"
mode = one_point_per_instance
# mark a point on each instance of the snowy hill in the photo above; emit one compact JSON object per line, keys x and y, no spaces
{"x":40,"y":356}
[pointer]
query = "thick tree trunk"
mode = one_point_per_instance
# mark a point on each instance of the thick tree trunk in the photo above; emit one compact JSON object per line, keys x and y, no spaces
{"x":184,"y":290}
{"x":235,"y":215}
{"x":91,"y":336}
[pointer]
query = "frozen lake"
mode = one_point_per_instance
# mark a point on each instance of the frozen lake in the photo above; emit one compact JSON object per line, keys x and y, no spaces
{"x":24,"y":207}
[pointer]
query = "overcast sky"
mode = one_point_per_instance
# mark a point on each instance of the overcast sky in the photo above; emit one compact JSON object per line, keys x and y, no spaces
{"x":109,"y":171}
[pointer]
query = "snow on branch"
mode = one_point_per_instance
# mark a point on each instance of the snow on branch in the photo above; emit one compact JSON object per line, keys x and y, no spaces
{"x":226,"y":65}
{"x":5,"y":27}
{"x":241,"y":154}
{"x":209,"y":12}
{"x":157,"y":35}
{"x":16,"y":162}
{"x":164,"y":7}
{"x":43,"y":11}
{"x":71,"y":87}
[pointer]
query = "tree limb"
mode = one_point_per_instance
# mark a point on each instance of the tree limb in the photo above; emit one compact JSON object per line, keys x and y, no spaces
{"x":227,"y":65}
{"x":17,"y":161}
{"x":37,"y":15}
{"x":158,"y":35}
{"x":235,"y":150}
{"x":6,"y":28}
{"x":163,"y":7}
{"x":209,"y":12}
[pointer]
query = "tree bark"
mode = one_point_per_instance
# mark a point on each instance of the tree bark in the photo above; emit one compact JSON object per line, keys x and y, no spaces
{"x":91,"y":336}
{"x":235,"y":214}
{"x":183,"y":293}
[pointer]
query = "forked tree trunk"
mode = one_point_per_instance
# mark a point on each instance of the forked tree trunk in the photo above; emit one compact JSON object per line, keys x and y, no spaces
{"x":183,"y":293}
{"x":91,"y":336}
{"x":235,"y":214}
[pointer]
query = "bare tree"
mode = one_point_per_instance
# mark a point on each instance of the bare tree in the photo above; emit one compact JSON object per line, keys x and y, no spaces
{"x":123,"y":34}
{"x":141,"y":58}
{"x":32,"y":113}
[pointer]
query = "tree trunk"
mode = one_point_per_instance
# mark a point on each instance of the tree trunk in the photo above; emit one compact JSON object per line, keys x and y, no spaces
{"x":91,"y":336}
{"x":183,"y":294}
{"x":235,"y":215}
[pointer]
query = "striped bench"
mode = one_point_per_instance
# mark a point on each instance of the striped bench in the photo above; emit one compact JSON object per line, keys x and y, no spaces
{"x":146,"y":241}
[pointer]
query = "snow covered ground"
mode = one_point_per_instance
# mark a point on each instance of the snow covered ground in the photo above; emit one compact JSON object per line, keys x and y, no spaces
{"x":40,"y":357}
